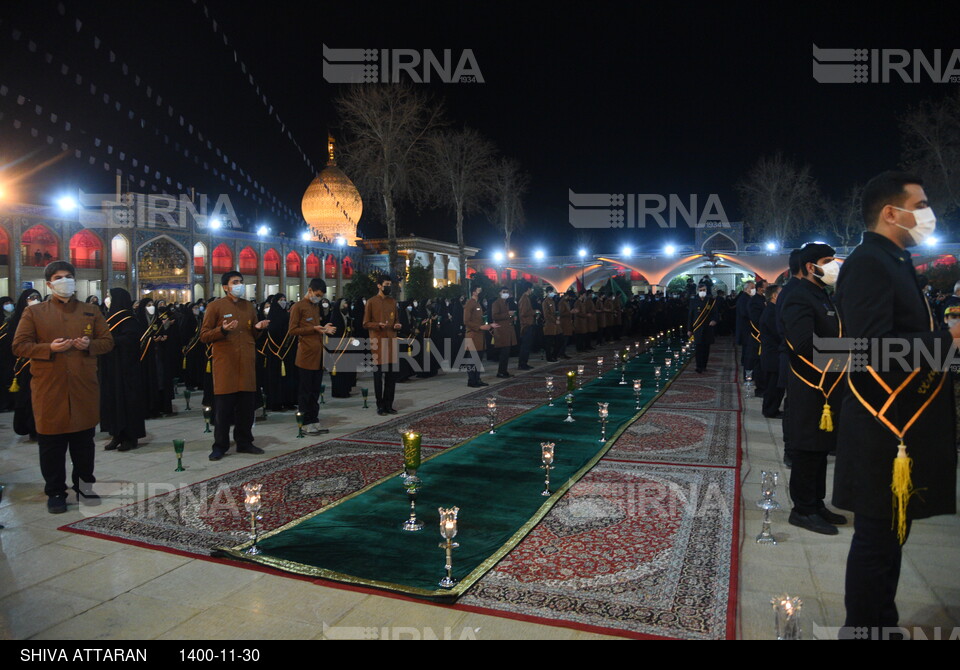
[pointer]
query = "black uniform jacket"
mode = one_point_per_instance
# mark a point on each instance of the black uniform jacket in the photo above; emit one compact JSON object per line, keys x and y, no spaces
{"x":878,"y":299}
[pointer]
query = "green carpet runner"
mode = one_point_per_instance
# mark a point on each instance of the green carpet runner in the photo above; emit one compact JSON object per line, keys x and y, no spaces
{"x":495,"y":480}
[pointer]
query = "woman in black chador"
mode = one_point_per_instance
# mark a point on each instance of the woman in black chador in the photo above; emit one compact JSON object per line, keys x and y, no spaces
{"x":122,"y":404}
{"x":19,"y":388}
{"x":280,"y":382}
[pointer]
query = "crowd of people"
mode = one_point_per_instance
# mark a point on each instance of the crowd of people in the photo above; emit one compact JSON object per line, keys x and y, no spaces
{"x":67,"y":366}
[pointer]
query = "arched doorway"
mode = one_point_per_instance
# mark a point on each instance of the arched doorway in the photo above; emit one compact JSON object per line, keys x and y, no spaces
{"x":38,"y":246}
{"x":248,"y":261}
{"x":120,"y":253}
{"x":313,"y":267}
{"x":222,"y":259}
{"x":271,"y":263}
{"x":199,"y":258}
{"x":86,"y":251}
{"x":162,"y":267}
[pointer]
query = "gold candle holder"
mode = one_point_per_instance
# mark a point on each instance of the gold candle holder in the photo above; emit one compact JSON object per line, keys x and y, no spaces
{"x":448,"y":531}
{"x":546,"y":463}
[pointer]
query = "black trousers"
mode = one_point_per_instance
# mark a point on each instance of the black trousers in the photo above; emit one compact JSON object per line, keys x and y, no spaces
{"x":561,"y":346}
{"x":237,"y":409}
{"x":702,"y":353}
{"x":504,"y":354}
{"x":526,"y":344}
{"x":385,"y":385}
{"x":308,"y":396}
{"x":808,"y":480}
{"x":873,"y":573}
{"x":53,"y":460}
{"x":772,"y":394}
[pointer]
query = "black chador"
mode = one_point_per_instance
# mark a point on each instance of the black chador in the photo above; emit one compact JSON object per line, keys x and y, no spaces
{"x":122,"y":402}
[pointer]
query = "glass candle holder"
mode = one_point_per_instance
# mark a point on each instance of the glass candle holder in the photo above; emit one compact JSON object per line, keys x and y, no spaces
{"x":580,"y":370}
{"x":600,"y":367}
{"x":603,"y":412}
{"x":252,"y":502}
{"x":546,"y":462}
{"x":492,"y":413}
{"x":637,"y":390}
{"x":178,"y":450}
{"x":299,"y":418}
{"x":549,"y":385}
{"x":207,"y":417}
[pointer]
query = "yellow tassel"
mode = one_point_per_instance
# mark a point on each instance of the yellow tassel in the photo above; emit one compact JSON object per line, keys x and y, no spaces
{"x":184,"y":363}
{"x":283,"y":369}
{"x":334,"y":371}
{"x":826,"y":419}
{"x":208,"y":366}
{"x":15,"y":386}
{"x":903,"y":490}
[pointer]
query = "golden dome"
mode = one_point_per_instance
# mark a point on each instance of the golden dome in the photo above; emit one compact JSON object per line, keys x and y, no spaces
{"x":331,"y":205}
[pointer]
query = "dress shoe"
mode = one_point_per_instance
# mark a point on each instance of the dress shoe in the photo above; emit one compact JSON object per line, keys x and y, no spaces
{"x":812,"y":522}
{"x":832,"y":517}
{"x":565,"y":357}
{"x":112,"y":444}
{"x":524,"y":367}
{"x":57,"y":504}
{"x":776,"y":415}
{"x":380,"y":412}
{"x":127,"y":445}
{"x":392,"y":411}
{"x":699,"y":371}
{"x":215,"y":455}
{"x":504,"y":375}
{"x":482,"y":384}
{"x":249,"y":449}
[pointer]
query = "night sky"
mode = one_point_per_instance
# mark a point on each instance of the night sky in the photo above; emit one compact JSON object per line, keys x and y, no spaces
{"x":593,"y":97}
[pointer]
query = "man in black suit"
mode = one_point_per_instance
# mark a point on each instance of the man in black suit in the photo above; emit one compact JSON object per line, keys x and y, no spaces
{"x":770,"y":354}
{"x":881,"y":303}
{"x":702,"y":318}
{"x":815,"y":388}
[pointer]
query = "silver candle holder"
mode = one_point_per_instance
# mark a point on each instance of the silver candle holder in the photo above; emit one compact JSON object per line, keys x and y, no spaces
{"x":492,"y":414}
{"x":636,"y":392}
{"x":656,"y":376}
{"x":603,"y":412}
{"x":599,"y":367}
{"x":569,"y":419}
{"x":623,"y":357}
{"x":252,"y":502}
{"x":546,"y":463}
{"x":581,"y":369}
{"x":549,"y":384}
{"x":448,"y":531}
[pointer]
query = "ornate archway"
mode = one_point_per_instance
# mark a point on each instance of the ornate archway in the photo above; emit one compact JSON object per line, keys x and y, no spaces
{"x":163,"y":270}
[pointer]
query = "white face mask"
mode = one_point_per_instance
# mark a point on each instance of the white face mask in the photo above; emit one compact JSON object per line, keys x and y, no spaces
{"x":8,"y":307}
{"x":266,"y":310}
{"x":702,"y":294}
{"x":952,"y":322}
{"x":504,"y":295}
{"x":32,"y":301}
{"x":416,"y":304}
{"x":409,"y":308}
{"x":282,"y":303}
{"x":830,"y":272}
{"x":106,"y":302}
{"x":151,"y":309}
{"x":237,"y":290}
{"x":752,"y":292}
{"x":64,"y":287}
{"x":926,"y":224}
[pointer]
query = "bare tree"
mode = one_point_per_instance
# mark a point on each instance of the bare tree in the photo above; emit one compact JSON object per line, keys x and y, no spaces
{"x":778,"y":198}
{"x":509,"y":186}
{"x":846,"y":217}
{"x":931,"y":148}
{"x":462,"y":163}
{"x":387,"y":129}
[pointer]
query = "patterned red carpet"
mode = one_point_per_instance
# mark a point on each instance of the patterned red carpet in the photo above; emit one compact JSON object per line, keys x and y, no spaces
{"x":643,"y":546}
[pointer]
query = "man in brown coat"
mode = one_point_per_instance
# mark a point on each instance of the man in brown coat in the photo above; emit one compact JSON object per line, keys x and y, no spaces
{"x":506,"y":335}
{"x":380,"y":318}
{"x":551,"y":325}
{"x":306,"y":323}
{"x":475,"y":328}
{"x":62,"y":338}
{"x":230,"y":326}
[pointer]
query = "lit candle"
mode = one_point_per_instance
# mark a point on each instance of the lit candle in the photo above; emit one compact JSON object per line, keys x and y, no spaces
{"x":571,"y":380}
{"x":546,"y":452}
